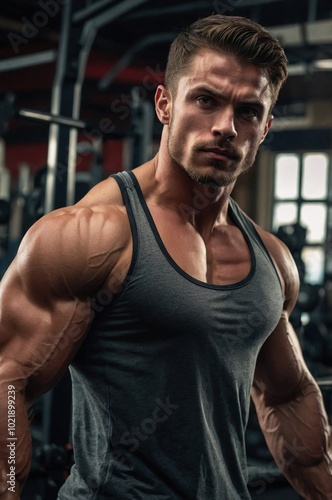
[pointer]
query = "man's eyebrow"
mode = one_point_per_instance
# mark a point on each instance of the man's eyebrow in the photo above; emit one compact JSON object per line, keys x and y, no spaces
{"x":252,"y":101}
{"x":207,"y":90}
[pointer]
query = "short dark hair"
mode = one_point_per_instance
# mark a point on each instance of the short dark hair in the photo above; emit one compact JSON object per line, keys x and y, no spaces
{"x":233,"y":35}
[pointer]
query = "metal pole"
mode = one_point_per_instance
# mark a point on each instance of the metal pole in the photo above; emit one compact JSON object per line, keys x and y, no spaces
{"x":75,"y":44}
{"x":113,"y":13}
{"x":40,"y":116}
{"x":105,"y":82}
{"x":87,"y":12}
{"x":27,"y":61}
{"x":60,"y":182}
{"x":53,"y":166}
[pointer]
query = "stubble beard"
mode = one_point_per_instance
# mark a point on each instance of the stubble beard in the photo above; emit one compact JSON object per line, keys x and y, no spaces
{"x":220,"y":180}
{"x":222,"y":177}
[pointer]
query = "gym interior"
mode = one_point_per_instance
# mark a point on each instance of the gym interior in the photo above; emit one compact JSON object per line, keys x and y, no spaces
{"x":76,"y":105}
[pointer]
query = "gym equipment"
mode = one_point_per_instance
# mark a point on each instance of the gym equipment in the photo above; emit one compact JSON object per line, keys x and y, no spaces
{"x":34,"y":200}
{"x":141,"y":130}
{"x":86,"y":180}
{"x":8,"y":111}
{"x":313,"y":340}
{"x":309,"y":297}
{"x":5,"y":208}
{"x":80,"y":24}
{"x":4,"y":187}
{"x":34,"y":207}
{"x":294,"y":236}
{"x":4,"y":211}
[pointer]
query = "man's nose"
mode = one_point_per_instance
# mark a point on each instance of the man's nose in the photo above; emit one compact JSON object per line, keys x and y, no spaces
{"x":224,"y":124}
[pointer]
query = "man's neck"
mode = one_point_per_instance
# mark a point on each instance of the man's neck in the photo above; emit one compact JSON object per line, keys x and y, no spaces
{"x":167,"y":185}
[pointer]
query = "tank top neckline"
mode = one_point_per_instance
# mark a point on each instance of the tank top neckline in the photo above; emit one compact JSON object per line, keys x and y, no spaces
{"x":170,"y":259}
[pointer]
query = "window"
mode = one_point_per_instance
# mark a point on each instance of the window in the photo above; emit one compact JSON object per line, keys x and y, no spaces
{"x":303,"y":195}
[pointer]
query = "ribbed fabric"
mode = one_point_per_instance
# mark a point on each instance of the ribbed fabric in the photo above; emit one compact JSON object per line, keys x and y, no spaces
{"x":161,"y":386}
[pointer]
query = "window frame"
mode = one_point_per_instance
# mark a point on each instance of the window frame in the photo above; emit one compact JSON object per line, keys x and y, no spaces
{"x":299,"y":200}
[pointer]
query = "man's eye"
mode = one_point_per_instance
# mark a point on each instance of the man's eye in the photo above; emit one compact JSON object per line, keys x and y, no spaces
{"x":206,"y":100}
{"x":248,"y":112}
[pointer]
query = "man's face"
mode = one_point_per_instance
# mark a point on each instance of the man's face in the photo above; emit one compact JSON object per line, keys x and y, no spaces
{"x":218,"y":117}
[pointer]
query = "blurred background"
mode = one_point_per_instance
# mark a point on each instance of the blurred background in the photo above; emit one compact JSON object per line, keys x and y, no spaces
{"x":77,"y":81}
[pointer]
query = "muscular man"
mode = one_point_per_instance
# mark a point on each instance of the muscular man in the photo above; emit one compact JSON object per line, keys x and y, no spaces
{"x":168,"y":303}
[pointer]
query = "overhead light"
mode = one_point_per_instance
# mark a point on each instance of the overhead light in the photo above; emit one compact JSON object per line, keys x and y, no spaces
{"x":323,"y":64}
{"x":305,"y":68}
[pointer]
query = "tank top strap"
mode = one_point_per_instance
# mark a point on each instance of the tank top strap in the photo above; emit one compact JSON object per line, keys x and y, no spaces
{"x":140,"y":225}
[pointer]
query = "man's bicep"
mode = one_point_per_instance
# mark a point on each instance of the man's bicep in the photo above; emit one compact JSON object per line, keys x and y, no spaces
{"x":280,"y":367}
{"x":37,"y":338}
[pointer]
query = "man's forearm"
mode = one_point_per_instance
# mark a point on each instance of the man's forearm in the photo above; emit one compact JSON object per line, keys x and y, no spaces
{"x":313,"y":483}
{"x":298,"y":436}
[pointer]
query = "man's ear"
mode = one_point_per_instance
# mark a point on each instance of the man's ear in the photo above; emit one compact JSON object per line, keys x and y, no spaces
{"x":163,"y":104}
{"x":267,"y":127}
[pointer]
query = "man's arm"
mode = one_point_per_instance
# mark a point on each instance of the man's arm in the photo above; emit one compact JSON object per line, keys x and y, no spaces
{"x":44,"y":314}
{"x":289,"y":404}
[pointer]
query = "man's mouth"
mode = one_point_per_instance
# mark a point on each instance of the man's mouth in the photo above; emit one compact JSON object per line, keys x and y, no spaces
{"x":221,"y":152}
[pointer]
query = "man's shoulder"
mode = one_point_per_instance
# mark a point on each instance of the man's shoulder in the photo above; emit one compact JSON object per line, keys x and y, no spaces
{"x":277,"y":249}
{"x":87,"y":222}
{"x":103,"y":204}
{"x":283,"y":261}
{"x":105,"y":193}
{"x":80,"y":243}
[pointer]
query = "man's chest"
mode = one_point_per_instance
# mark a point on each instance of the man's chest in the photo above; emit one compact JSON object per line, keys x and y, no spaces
{"x":221,"y":257}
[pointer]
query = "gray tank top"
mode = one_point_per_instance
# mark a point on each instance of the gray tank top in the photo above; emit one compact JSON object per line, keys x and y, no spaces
{"x":161,"y":385}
